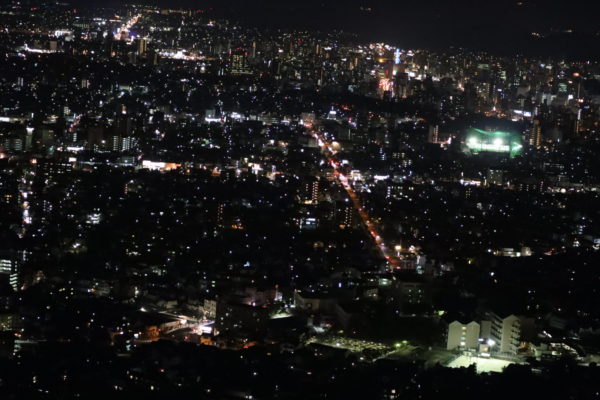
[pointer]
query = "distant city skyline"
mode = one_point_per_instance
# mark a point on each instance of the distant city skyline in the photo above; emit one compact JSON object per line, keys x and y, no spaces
{"x":501,"y":27}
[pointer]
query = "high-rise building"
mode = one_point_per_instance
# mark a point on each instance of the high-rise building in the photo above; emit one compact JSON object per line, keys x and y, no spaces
{"x":310,"y":191}
{"x":239,"y":62}
{"x":345,"y":214}
{"x":470,"y":97}
{"x":498,"y":334}
{"x":121,"y":143}
{"x":28,"y":138}
{"x":123,"y":125}
{"x":434,"y":131}
{"x":12,"y":143}
{"x":504,"y":332}
{"x":220,"y":214}
{"x":401,"y":81}
{"x":9,"y":268}
{"x":535,"y":138}
{"x":463,"y":336}
{"x":44,"y":137}
{"x":142,"y":46}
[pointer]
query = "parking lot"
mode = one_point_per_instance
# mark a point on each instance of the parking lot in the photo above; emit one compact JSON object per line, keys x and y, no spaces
{"x":482,"y":364}
{"x":354,"y":345}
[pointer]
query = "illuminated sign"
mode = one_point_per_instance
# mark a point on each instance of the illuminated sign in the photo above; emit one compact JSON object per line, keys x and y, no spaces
{"x":159,"y":166}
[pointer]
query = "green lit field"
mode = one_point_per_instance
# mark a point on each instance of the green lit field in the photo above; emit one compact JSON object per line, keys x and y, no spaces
{"x":479,"y":141}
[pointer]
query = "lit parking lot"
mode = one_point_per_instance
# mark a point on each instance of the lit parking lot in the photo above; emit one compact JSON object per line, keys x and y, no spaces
{"x":353,"y":345}
{"x":482,"y":364}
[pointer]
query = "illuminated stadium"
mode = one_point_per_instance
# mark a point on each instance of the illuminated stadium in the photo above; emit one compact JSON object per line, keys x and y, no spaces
{"x":480,"y":141}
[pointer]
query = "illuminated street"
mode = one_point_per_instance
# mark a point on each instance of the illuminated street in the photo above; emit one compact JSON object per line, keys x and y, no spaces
{"x":367,"y":221}
{"x":127,"y":26}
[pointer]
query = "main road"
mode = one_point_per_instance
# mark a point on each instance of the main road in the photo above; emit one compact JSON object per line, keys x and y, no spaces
{"x":327,"y":150}
{"x":127,"y":26}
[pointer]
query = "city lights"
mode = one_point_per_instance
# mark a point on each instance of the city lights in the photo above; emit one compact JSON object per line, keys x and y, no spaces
{"x":299,"y":199}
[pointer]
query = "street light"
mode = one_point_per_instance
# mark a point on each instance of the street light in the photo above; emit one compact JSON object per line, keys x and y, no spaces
{"x":398,"y":249}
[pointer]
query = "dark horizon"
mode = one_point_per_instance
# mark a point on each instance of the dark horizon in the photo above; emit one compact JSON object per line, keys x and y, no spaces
{"x":567,"y":29}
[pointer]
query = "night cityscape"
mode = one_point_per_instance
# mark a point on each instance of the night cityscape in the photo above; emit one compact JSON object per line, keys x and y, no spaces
{"x":299,"y":200}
